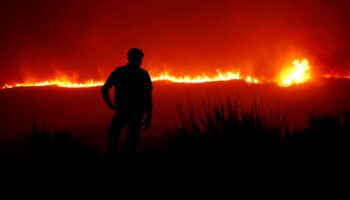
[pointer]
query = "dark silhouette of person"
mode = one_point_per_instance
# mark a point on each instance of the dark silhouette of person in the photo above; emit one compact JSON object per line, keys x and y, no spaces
{"x":133,"y":100}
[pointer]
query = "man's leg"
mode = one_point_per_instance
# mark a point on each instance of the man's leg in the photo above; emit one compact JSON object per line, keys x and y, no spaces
{"x":114,"y":130}
{"x":133,"y":132}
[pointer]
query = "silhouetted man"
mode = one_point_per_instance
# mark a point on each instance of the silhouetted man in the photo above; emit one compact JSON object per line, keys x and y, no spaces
{"x":133,"y":99}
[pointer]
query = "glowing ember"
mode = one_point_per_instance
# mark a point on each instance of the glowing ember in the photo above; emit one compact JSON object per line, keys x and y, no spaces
{"x":297,"y":74}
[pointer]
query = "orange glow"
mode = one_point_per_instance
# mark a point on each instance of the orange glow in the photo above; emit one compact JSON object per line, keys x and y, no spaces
{"x":296,"y":74}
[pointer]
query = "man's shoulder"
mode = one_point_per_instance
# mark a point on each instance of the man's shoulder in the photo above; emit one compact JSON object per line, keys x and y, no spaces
{"x":144,"y":71}
{"x":119,"y":69}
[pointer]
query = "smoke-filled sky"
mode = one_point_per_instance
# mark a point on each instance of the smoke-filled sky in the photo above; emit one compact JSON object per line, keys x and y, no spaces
{"x":87,"y":39}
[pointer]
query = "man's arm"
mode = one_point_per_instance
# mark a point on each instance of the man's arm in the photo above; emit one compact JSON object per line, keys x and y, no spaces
{"x":149,"y":103}
{"x":105,"y":92}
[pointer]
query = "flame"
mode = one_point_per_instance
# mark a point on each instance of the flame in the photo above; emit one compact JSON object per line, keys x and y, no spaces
{"x":249,"y":79}
{"x":57,"y":82}
{"x":297,"y":74}
{"x":199,"y":79}
{"x":66,"y":83}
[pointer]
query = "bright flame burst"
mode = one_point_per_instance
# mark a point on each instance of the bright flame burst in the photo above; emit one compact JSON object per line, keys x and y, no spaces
{"x":297,"y":74}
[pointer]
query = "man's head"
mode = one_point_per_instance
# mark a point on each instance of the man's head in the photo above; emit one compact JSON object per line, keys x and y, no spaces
{"x":135,"y":56}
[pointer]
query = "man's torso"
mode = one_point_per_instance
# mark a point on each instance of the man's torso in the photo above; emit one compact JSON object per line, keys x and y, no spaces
{"x":131,"y":85}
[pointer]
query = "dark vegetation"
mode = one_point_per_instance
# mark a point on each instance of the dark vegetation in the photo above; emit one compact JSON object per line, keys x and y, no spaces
{"x":253,"y":149}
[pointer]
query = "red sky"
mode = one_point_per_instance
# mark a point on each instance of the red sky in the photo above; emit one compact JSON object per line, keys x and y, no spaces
{"x":89,"y":39}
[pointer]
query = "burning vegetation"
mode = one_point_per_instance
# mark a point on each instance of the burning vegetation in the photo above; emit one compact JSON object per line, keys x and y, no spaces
{"x":299,"y":72}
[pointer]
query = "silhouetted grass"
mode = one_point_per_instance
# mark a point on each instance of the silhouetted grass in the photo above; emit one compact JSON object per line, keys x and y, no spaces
{"x":227,"y":123}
